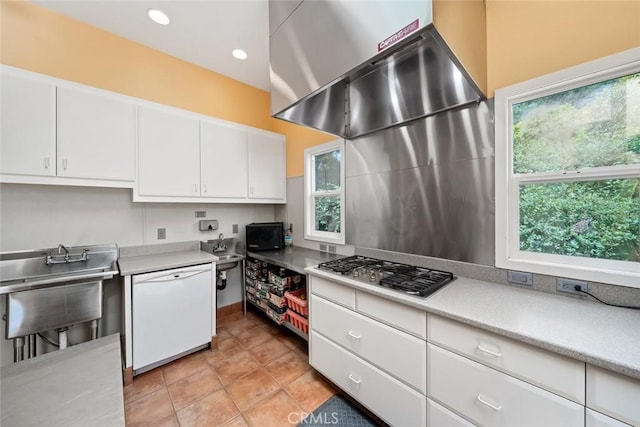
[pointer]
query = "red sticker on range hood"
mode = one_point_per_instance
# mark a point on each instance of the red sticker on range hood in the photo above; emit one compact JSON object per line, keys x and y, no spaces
{"x":398,"y":35}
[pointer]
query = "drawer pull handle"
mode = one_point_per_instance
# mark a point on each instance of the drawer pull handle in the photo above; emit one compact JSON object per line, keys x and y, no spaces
{"x":491,"y":352}
{"x":354,"y":379}
{"x":354,"y":335}
{"x":489,"y":404}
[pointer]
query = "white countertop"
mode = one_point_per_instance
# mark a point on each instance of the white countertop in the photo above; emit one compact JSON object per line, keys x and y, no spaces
{"x":604,"y":336}
{"x":163,"y":261}
{"x":78,"y":386}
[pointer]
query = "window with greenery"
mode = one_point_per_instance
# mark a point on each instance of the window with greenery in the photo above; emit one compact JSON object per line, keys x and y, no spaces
{"x":568,"y":172}
{"x":324,"y":193}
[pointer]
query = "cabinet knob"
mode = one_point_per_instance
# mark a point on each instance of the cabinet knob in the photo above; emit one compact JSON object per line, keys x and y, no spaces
{"x":491,"y":352}
{"x":485,"y":402}
{"x":64,"y":164}
{"x":355,"y":335}
{"x":354,"y":379}
{"x":46,"y":162}
{"x":196,"y":188}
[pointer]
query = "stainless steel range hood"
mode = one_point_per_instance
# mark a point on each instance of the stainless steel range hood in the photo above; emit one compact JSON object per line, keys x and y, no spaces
{"x":351,"y":68}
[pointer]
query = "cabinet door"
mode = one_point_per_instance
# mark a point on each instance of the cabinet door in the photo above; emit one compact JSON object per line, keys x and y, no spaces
{"x":27,"y":126}
{"x":490,"y":398}
{"x":223,"y":160}
{"x":96,"y":136}
{"x":613,"y":394}
{"x":169,"y":153}
{"x":596,"y":419}
{"x":266,"y":166}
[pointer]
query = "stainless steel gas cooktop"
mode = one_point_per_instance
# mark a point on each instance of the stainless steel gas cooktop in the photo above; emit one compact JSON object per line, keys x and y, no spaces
{"x":412,"y":280}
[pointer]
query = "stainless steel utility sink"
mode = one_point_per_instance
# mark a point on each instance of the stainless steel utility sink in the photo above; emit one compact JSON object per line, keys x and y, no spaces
{"x":227,"y":261}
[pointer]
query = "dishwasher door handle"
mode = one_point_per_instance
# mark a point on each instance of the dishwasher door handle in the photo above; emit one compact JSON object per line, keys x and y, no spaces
{"x":174,"y":275}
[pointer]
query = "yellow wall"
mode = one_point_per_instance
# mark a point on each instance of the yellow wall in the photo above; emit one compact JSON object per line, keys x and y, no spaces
{"x":39,"y":40}
{"x":526,"y":39}
{"x":462,"y":23}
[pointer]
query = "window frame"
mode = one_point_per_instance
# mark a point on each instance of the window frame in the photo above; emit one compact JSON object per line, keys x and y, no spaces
{"x":310,"y":195}
{"x":507,"y":183}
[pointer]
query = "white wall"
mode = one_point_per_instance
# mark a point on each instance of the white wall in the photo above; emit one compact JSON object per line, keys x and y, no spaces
{"x":42,"y":216}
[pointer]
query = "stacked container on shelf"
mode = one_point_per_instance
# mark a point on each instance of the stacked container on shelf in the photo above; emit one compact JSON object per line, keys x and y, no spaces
{"x":280,"y":281}
{"x":298,"y":311}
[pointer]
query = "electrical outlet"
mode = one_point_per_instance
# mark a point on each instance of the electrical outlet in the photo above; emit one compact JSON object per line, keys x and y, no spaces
{"x":234,"y":228}
{"x":520,"y":278}
{"x":162,"y":233}
{"x":323,"y":248}
{"x":568,"y":285}
{"x":201,"y":214}
{"x":332,"y":249}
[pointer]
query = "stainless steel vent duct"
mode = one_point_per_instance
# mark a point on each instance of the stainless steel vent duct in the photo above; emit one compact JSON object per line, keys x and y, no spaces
{"x":332,"y":69}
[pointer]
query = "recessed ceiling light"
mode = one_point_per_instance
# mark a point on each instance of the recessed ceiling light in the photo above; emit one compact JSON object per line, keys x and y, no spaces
{"x":239,"y":54}
{"x":158,"y":16}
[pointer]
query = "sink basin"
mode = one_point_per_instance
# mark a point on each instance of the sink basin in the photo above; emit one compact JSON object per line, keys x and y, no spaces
{"x":227,"y":261}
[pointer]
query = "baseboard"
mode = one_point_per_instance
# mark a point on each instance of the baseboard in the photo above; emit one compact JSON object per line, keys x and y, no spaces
{"x":229,"y":310}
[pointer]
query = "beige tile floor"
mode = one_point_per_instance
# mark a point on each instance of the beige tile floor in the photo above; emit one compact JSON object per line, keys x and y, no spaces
{"x":259,"y":376}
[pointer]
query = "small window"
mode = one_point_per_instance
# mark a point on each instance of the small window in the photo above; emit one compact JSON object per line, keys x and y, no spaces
{"x":324,"y":193}
{"x":568,"y":172}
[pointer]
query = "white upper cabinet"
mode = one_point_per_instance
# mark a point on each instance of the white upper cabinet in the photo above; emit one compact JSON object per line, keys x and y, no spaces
{"x":267,"y":175}
{"x":169,"y":153}
{"x":96,"y":135}
{"x":27,"y":125}
{"x":223,"y":160}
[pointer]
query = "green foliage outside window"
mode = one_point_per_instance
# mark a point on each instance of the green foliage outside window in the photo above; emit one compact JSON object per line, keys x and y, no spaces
{"x":327,"y":178}
{"x":592,"y":126}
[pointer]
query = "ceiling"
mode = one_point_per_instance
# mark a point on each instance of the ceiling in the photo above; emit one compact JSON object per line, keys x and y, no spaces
{"x":203,"y":32}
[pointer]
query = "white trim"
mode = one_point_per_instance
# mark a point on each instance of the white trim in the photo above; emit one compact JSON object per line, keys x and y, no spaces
{"x":309,"y":195}
{"x":507,"y":251}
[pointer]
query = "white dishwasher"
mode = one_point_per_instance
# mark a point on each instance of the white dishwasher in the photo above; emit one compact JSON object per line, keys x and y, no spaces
{"x":171,"y":314}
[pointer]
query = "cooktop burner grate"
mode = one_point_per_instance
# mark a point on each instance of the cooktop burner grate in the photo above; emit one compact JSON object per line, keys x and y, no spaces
{"x":401,"y":277}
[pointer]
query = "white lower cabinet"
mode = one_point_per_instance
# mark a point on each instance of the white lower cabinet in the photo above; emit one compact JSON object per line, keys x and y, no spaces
{"x":381,"y":393}
{"x":613,"y":394}
{"x":439,"y":416}
{"x":596,"y":419}
{"x":550,"y":371}
{"x":373,"y":341}
{"x":492,"y":398}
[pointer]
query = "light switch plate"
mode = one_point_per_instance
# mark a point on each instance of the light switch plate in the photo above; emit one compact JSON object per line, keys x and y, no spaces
{"x":234,"y":228}
{"x":201,"y":214}
{"x":162,"y":233}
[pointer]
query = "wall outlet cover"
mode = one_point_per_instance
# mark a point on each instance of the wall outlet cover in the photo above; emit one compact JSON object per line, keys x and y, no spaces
{"x":201,"y":214}
{"x":162,"y":233}
{"x":234,"y":228}
{"x":520,"y":278}
{"x":569,"y":285}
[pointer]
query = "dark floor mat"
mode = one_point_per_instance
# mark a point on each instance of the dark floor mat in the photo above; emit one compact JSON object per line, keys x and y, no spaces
{"x":337,"y":411}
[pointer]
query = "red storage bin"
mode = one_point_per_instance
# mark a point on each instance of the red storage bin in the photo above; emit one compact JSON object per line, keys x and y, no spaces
{"x":296,"y":300}
{"x":298,"y":321}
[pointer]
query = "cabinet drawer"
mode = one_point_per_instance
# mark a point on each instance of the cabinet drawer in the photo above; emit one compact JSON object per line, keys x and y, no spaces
{"x":596,"y":419}
{"x":491,"y":398}
{"x":375,"y":342}
{"x":385,"y":396}
{"x":333,"y":291}
{"x":439,"y":416}
{"x":613,"y":394}
{"x":558,"y":374}
{"x":402,"y":316}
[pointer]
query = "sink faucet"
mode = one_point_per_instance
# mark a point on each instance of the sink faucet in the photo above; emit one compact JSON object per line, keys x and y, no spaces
{"x":61,"y":248}
{"x":221,"y":245}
